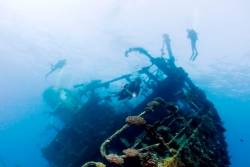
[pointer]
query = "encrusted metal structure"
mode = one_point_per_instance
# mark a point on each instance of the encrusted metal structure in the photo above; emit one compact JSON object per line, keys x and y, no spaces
{"x":170,"y":124}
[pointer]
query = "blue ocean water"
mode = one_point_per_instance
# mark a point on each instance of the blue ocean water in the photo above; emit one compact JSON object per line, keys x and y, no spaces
{"x":93,"y":37}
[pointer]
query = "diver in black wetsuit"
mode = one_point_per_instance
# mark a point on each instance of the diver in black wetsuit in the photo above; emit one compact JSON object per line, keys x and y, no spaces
{"x":192,"y":35}
{"x":130,"y":90}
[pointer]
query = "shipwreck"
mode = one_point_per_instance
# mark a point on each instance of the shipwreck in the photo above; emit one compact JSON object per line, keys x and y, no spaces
{"x":170,"y":124}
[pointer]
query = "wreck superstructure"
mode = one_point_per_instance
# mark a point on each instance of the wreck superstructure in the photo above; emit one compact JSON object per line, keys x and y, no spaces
{"x":171,"y":123}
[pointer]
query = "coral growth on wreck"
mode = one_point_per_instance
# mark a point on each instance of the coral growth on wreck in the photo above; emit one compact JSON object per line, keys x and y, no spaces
{"x":130,"y":152}
{"x":135,"y":120}
{"x":115,"y":159}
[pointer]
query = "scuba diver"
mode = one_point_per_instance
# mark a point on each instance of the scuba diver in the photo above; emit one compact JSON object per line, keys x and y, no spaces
{"x":129,"y":91}
{"x":58,"y":65}
{"x":192,"y":35}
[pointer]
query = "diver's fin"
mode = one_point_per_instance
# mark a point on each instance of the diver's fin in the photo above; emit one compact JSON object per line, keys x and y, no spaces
{"x":46,"y":76}
{"x":195,"y":56}
{"x":49,"y":73}
{"x":191,"y":57}
{"x":52,"y":66}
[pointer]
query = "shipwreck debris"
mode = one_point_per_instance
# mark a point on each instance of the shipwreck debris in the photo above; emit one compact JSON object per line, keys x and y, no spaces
{"x":171,"y":124}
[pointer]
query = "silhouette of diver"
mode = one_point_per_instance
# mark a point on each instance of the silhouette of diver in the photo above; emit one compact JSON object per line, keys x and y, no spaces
{"x":192,"y":35}
{"x":129,"y":91}
{"x":58,"y":65}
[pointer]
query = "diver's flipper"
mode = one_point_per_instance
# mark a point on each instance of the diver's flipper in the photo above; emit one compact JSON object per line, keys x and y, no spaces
{"x":191,"y":57}
{"x":50,"y":72}
{"x":46,"y":76}
{"x":52,"y":66}
{"x":195,"y":56}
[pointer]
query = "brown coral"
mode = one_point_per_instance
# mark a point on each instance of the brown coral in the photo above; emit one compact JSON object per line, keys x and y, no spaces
{"x":115,"y":159}
{"x":153,"y":104}
{"x":148,"y":160}
{"x":130,"y":152}
{"x":136,"y":120}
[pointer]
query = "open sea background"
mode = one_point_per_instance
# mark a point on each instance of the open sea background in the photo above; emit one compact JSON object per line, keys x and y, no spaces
{"x":93,"y":36}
